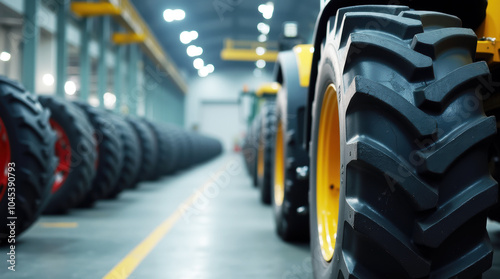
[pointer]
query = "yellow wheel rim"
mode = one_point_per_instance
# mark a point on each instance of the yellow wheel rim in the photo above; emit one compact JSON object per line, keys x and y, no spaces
{"x":279,"y":178}
{"x":328,"y":173}
{"x":260,"y":159}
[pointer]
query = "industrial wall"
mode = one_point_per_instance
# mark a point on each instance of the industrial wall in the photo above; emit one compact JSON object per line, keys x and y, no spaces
{"x":216,"y":96}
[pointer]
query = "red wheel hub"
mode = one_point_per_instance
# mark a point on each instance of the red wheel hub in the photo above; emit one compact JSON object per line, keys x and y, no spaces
{"x":63,"y":152}
{"x":4,"y":158}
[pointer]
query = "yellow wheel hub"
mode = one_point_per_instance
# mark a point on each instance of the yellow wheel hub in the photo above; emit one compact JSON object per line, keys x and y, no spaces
{"x":279,"y":179}
{"x":260,"y":159}
{"x":328,"y":173}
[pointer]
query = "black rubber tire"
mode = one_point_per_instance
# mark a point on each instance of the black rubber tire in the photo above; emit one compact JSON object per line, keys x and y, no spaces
{"x":291,"y":215}
{"x":32,"y":151}
{"x":268,"y":132}
{"x":255,"y":145}
{"x":131,"y":150}
{"x":109,"y":155}
{"x":148,"y":149}
{"x":166,"y":153}
{"x":415,"y":186}
{"x":79,"y":131}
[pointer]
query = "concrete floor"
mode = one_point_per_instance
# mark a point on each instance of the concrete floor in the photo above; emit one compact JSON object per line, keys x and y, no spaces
{"x":224,"y":233}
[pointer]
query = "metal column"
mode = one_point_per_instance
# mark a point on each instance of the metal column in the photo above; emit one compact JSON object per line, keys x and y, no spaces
{"x":102,"y":69}
{"x":31,"y":35}
{"x":132,"y":77}
{"x":118,"y":79}
{"x":85,"y":62}
{"x":62,"y":46}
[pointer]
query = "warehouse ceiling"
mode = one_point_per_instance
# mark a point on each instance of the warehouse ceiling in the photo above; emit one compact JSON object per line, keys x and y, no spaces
{"x":217,"y":20}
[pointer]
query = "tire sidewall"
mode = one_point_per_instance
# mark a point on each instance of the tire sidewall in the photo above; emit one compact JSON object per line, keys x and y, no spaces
{"x":326,"y":76}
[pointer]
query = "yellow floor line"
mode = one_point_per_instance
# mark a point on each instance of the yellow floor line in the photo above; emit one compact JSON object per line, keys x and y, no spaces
{"x":124,"y":268}
{"x":65,"y":225}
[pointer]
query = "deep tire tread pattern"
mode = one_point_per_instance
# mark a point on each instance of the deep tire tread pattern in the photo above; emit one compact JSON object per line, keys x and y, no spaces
{"x":442,"y":214}
{"x":25,"y":118}
{"x":79,"y":131}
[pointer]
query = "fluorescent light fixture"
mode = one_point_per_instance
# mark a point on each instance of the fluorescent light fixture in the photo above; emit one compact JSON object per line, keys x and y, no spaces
{"x":267,"y":10}
{"x":263,"y":28}
{"x":260,"y":50}
{"x":260,"y":63}
{"x":171,"y":15}
{"x":48,"y":79}
{"x":5,"y":56}
{"x":70,"y":87}
{"x":210,"y":68}
{"x":262,"y":38}
{"x":198,"y":63}
{"x":193,"y":51}
{"x":203,"y":72}
{"x":94,"y":101}
{"x":109,"y":100}
{"x":188,"y":36}
{"x":290,"y":29}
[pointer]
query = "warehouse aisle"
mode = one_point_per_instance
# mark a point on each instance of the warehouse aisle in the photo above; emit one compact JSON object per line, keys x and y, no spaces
{"x":224,"y":233}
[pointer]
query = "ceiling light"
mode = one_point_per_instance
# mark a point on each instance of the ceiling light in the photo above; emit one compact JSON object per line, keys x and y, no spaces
{"x":290,"y":29}
{"x":193,"y":51}
{"x":94,"y":101}
{"x":210,"y":68}
{"x":263,"y":28}
{"x":260,"y":50}
{"x":267,"y":10}
{"x":70,"y":87}
{"x":260,"y":63}
{"x":171,"y":15}
{"x":198,"y":63}
{"x":109,"y":100}
{"x":203,"y":72}
{"x":188,"y":36}
{"x":48,"y":79}
{"x":5,"y":56}
{"x":262,"y":38}
{"x":257,"y":72}
{"x":311,"y":49}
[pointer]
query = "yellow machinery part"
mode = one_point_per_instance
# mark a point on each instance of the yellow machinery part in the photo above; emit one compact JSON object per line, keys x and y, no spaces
{"x":488,"y":48}
{"x":304,"y":54}
{"x":279,"y":167}
{"x":328,"y":173}
{"x":271,"y":88}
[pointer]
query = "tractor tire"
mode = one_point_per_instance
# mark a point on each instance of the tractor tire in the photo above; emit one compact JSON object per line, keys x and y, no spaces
{"x":492,"y":107}
{"x":148,"y":149}
{"x":109,"y":155}
{"x":131,"y":156}
{"x":257,"y":150}
{"x":76,"y":149}
{"x":166,"y":153}
{"x":400,"y":186}
{"x":27,"y":159}
{"x":291,"y":161}
{"x":265,"y":165}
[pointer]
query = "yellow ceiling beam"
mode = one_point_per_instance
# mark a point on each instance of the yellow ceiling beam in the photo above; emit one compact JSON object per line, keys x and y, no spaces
{"x":248,"y":55}
{"x":86,"y":9}
{"x":128,"y":38}
{"x":130,"y":19}
{"x":247,"y":51}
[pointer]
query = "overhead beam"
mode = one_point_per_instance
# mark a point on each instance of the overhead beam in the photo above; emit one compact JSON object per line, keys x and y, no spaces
{"x":128,"y":38}
{"x":130,"y":19}
{"x":247,"y":51}
{"x":86,"y":9}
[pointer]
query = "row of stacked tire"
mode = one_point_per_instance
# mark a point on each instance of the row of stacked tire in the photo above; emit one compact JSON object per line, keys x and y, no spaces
{"x":56,"y":154}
